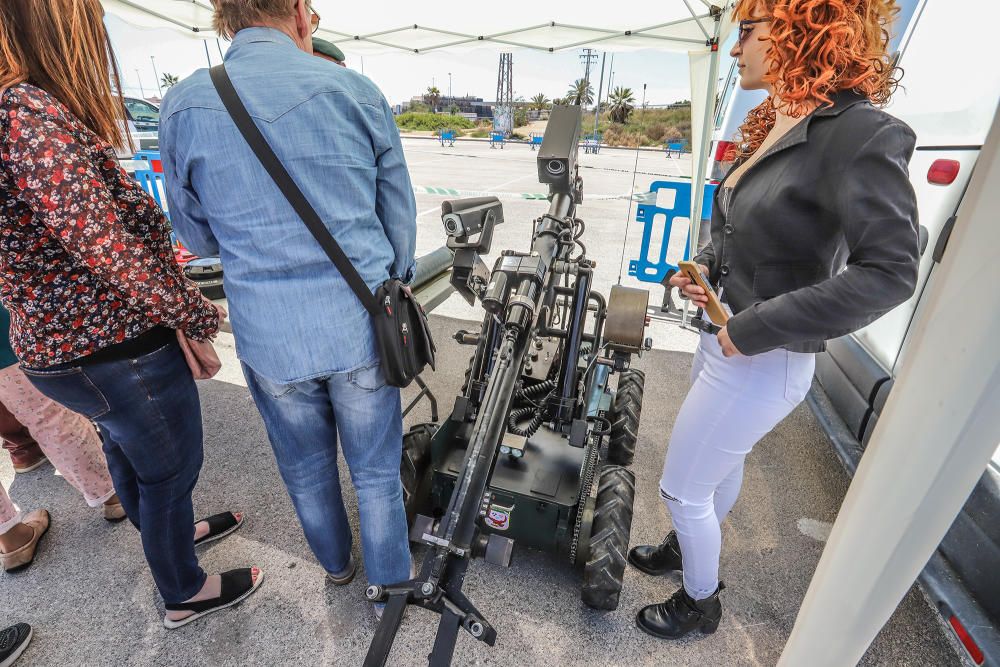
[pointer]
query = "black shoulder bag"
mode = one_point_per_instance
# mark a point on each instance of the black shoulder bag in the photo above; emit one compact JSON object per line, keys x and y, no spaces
{"x":403,"y":338}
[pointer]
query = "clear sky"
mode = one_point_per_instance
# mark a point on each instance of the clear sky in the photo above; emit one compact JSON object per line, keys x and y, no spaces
{"x":400,"y":76}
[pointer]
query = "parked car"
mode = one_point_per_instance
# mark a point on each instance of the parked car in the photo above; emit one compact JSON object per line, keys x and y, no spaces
{"x":142,"y":125}
{"x":950,"y":103}
{"x":145,"y":115}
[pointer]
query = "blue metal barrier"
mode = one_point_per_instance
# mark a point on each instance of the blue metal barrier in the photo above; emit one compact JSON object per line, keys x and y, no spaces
{"x":497,"y":138}
{"x":535,"y":139}
{"x":152,"y":182}
{"x":152,"y":157}
{"x":677,"y":147}
{"x":592,"y":143}
{"x":447,"y":136}
{"x":654,"y":218}
{"x":151,"y":179}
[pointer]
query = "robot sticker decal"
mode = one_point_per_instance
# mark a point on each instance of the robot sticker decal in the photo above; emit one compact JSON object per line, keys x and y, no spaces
{"x":498,"y":518}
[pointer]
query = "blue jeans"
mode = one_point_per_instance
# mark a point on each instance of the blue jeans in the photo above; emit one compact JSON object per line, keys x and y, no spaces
{"x":302,"y":421}
{"x":149,"y":415}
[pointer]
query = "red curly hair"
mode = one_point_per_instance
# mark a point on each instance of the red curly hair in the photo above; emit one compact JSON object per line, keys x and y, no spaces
{"x":818,"y":48}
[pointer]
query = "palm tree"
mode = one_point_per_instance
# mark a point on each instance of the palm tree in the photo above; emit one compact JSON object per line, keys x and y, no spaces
{"x":539,"y":102}
{"x":432,"y":97}
{"x":168,"y":80}
{"x":580,"y":92}
{"x":621,"y":104}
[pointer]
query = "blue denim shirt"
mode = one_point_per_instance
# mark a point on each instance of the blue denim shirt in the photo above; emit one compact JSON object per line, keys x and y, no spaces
{"x":293,"y":315}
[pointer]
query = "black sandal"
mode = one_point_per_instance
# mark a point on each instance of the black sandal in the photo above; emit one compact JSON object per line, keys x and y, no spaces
{"x":219,"y":526}
{"x":237,"y":585}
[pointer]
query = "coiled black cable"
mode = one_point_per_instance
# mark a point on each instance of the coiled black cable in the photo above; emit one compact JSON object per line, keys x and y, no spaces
{"x":533,"y":425}
{"x":536,"y":390}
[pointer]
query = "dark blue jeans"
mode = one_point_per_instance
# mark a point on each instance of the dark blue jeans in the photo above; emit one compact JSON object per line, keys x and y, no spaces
{"x":150,"y":417}
{"x":303,"y":420}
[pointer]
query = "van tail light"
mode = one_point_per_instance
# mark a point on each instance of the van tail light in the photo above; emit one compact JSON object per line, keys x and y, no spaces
{"x":975,"y":652}
{"x":721,"y":149}
{"x":943,"y":172}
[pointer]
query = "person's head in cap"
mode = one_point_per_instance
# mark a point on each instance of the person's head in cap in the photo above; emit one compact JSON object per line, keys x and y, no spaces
{"x":328,"y":51}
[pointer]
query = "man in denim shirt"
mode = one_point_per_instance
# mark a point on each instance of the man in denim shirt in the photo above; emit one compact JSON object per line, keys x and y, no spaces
{"x":305,"y":341}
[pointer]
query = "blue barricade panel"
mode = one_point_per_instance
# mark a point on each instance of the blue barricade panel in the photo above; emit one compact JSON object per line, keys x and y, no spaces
{"x":153,"y":183}
{"x":447,"y":137}
{"x":660,"y":236}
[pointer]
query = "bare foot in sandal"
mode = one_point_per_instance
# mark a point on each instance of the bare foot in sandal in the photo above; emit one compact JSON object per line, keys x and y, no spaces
{"x":215,"y":590}
{"x":216,"y":527}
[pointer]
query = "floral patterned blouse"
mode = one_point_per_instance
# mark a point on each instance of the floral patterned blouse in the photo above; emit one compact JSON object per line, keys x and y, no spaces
{"x":85,"y":256}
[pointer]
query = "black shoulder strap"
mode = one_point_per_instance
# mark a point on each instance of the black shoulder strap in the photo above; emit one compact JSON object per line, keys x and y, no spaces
{"x":277,"y":171}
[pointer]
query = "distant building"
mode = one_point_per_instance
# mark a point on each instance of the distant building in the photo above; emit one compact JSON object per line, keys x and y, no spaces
{"x":468,"y":106}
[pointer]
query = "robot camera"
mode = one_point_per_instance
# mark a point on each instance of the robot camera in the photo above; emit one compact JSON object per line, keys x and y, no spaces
{"x":463,"y":218}
{"x":557,"y":157}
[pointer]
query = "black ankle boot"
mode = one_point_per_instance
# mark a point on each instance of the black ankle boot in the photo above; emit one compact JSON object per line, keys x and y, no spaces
{"x":657,"y":560}
{"x":680,"y":615}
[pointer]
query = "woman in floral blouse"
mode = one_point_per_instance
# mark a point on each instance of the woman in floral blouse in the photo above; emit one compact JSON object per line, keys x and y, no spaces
{"x":102,"y":318}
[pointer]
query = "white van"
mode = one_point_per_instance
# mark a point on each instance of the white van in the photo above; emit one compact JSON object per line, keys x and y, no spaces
{"x":949,"y":96}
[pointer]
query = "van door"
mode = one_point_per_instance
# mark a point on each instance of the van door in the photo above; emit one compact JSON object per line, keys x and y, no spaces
{"x":948,"y":96}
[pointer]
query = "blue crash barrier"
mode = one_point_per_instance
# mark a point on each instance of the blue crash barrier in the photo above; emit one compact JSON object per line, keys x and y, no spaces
{"x":592,"y":143}
{"x":675,"y":147}
{"x":535,"y":139}
{"x":447,"y":137}
{"x":151,"y":178}
{"x":497,"y":138}
{"x":655,"y":218}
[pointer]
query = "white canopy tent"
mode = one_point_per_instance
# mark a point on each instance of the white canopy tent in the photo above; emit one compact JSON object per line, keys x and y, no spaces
{"x":939,"y":427}
{"x":695,"y":27}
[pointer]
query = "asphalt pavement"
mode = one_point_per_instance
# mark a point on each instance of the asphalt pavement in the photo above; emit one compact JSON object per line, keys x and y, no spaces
{"x":93,"y":602}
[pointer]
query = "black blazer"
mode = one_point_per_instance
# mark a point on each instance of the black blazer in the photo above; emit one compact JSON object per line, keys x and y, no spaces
{"x":820,"y":237}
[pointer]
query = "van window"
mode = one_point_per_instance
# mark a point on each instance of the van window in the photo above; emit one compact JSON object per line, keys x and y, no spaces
{"x":907,"y":8}
{"x":728,"y":85}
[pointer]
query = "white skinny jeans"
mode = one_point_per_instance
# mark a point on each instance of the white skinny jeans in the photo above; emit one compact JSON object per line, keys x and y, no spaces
{"x":731,"y":405}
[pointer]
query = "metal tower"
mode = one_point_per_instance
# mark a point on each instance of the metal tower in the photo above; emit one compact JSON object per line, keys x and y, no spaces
{"x":589,"y":57}
{"x":503,"y":113}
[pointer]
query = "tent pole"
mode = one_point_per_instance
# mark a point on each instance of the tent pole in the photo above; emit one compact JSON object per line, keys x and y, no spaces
{"x":698,"y":163}
{"x":930,"y":446}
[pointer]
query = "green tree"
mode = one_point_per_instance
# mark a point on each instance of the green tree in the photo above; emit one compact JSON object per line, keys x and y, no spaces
{"x":539,"y":102}
{"x":432,"y":97}
{"x":580,"y":92}
{"x":622,"y":103}
{"x":168,"y":80}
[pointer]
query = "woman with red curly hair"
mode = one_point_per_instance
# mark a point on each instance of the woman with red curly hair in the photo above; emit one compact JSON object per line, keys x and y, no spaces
{"x":814,"y":235}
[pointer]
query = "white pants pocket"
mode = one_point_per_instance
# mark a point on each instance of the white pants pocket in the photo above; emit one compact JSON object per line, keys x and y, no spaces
{"x":799,"y":369}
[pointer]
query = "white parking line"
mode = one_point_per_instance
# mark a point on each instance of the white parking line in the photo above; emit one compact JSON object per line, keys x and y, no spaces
{"x":513,"y":180}
{"x":430,"y":210}
{"x":673,"y":162}
{"x":495,"y":187}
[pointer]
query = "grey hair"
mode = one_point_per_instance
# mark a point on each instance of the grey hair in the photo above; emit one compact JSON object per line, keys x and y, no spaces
{"x":231,"y":16}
